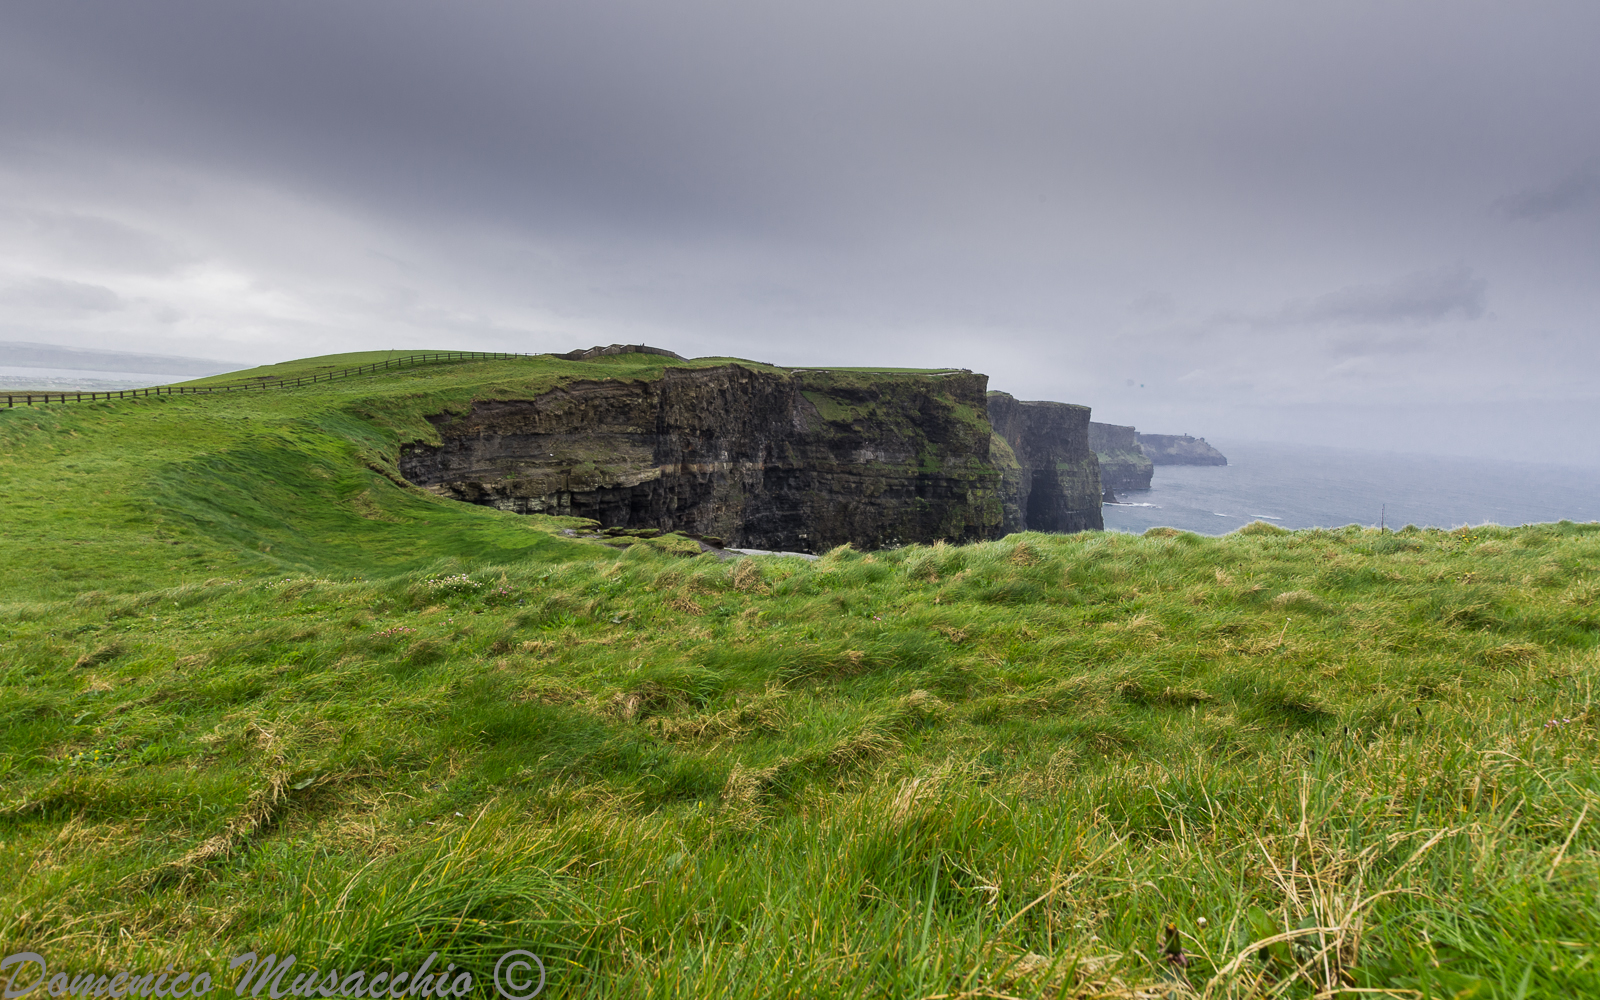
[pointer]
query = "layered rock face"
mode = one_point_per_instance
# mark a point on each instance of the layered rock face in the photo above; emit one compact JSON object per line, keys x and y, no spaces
{"x":1055,"y":475}
{"x":1180,"y":449}
{"x":1123,"y":466}
{"x":760,"y":459}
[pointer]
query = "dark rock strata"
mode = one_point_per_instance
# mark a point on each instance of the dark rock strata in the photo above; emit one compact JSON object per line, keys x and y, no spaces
{"x":1123,"y":466}
{"x":761,"y":459}
{"x":1056,"y":478}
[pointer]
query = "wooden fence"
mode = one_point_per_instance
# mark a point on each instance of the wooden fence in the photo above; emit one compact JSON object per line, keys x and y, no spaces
{"x":287,"y":382}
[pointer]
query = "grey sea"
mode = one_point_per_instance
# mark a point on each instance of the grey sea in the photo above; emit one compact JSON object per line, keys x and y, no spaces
{"x":1305,"y":487}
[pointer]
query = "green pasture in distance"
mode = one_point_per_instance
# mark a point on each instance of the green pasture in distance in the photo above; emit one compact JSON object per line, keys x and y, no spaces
{"x":333,"y":363}
{"x":870,"y":370}
{"x":306,"y":366}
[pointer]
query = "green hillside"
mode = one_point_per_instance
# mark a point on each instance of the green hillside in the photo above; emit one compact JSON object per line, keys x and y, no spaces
{"x":129,"y":494}
{"x":299,"y":367}
{"x":257,"y":694}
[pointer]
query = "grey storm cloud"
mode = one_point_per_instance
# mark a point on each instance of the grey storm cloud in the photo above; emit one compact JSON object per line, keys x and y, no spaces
{"x":1064,"y":195}
{"x":1577,"y":190}
{"x":54,"y":293}
{"x":94,"y":241}
{"x":1421,"y":298}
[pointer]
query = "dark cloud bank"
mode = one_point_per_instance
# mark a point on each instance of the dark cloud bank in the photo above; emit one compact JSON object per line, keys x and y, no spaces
{"x":1364,"y":223}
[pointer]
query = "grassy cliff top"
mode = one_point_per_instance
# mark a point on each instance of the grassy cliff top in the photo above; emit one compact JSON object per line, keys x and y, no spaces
{"x":645,"y":363}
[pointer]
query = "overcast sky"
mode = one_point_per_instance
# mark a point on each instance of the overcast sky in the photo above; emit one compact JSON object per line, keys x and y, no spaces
{"x":1357,"y":223}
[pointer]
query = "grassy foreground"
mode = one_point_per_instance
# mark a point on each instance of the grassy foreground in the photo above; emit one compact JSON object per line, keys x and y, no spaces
{"x":930,"y":771}
{"x":1335,"y":760}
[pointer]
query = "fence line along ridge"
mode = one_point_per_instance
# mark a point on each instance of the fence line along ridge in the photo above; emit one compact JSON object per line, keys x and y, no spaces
{"x":286,"y":382}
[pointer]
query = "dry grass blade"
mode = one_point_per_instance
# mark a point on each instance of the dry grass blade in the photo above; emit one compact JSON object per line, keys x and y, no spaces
{"x":1562,"y":853}
{"x":1255,"y":946}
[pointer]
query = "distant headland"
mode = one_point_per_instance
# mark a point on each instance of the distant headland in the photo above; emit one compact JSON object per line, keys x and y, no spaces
{"x":1180,"y":449}
{"x":1128,"y":458}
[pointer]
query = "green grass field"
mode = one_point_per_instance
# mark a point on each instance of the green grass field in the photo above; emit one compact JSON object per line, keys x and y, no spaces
{"x":258,"y":695}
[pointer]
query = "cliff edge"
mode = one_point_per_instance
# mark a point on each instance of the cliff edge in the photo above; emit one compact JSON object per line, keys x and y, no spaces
{"x":1180,"y":449}
{"x":1123,"y":465}
{"x":1056,"y":477}
{"x":759,"y":458}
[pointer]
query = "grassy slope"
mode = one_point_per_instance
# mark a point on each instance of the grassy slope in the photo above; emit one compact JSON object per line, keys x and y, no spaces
{"x":412,"y":724}
{"x":321,"y":365}
{"x":132,"y":494}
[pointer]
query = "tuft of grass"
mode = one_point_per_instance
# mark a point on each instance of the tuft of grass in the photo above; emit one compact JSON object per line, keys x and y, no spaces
{"x":1261,"y":528}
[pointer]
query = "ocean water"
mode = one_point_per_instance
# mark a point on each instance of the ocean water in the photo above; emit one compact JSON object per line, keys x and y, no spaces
{"x":1305,"y":487}
{"x":69,"y":379}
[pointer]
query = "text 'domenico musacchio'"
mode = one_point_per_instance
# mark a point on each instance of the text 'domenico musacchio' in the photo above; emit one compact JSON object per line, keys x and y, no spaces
{"x":517,"y":975}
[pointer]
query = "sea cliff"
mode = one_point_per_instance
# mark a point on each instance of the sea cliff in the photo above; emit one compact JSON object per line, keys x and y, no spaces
{"x":761,"y":457}
{"x":758,"y":458}
{"x":1123,"y":465}
{"x":1056,"y":478}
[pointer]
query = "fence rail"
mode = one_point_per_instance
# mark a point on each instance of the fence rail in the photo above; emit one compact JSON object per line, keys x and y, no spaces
{"x":287,"y":382}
